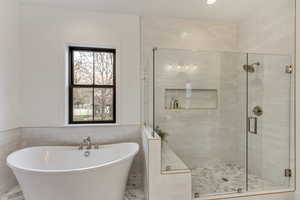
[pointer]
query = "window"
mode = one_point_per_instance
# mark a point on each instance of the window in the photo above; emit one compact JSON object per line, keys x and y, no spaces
{"x":92,"y":85}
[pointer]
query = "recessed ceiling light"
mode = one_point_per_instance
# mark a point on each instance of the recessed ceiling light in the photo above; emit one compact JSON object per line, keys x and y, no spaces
{"x":209,"y":2}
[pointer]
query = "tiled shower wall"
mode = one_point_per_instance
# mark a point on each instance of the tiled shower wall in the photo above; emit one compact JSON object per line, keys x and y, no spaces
{"x":258,"y":33}
{"x":272,"y":150}
{"x":199,"y":138}
{"x":193,"y":133}
{"x":203,"y":135}
{"x":179,"y":34}
{"x":232,"y":107}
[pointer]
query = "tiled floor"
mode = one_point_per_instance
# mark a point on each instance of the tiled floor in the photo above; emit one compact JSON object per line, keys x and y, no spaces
{"x":134,"y":191}
{"x":219,"y":177}
{"x":131,"y":194}
{"x":134,"y":194}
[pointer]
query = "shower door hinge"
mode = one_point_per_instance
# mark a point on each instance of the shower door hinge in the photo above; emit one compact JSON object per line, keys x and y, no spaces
{"x":289,"y":69}
{"x":288,"y":173}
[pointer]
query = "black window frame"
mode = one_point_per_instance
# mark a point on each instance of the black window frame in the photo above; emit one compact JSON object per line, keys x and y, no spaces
{"x":72,"y":85}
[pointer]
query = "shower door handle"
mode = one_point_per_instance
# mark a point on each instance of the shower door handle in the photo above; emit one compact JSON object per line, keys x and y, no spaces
{"x":252,"y":125}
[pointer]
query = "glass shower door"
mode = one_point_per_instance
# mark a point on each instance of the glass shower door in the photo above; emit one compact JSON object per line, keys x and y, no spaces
{"x":269,"y":80}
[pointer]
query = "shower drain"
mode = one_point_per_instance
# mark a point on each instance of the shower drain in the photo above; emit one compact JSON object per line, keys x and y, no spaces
{"x":225,"y":179}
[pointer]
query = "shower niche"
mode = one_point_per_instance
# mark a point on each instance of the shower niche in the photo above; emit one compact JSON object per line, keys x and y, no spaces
{"x":191,"y":99}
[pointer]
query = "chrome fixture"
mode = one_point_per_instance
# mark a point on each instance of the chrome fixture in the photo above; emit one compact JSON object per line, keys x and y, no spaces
{"x":251,"y":68}
{"x":257,"y":110}
{"x":80,"y":146}
{"x":239,"y":190}
{"x":87,"y":142}
{"x":252,"y":125}
{"x":87,"y":153}
{"x":288,"y":173}
{"x":252,"y":121}
{"x":196,"y":195}
{"x":289,"y":69}
{"x":174,"y":103}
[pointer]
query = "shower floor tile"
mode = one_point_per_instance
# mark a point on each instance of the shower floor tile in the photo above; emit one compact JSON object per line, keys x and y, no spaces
{"x":221,"y":178}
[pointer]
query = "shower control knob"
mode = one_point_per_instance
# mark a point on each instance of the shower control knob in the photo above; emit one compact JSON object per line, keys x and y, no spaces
{"x":257,"y":110}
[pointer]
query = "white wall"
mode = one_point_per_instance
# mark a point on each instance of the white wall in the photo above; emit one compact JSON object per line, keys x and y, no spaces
{"x":9,"y":87}
{"x":45,"y":32}
{"x":9,"y":64}
{"x":269,"y":29}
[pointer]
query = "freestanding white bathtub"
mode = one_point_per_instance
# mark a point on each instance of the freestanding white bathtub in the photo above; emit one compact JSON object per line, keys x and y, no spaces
{"x":65,"y":173}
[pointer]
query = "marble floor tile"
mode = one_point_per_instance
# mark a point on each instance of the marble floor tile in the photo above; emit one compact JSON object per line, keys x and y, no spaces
{"x":130,"y":194}
{"x":133,"y":191}
{"x":218,"y":178}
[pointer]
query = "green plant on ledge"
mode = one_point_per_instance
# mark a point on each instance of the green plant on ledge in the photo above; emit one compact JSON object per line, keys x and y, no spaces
{"x":163,"y":135}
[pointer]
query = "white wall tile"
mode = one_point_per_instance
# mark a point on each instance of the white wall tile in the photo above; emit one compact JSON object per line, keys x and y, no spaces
{"x":9,"y":142}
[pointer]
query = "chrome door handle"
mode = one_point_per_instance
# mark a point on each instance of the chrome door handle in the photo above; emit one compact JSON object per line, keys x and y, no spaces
{"x":252,"y":128}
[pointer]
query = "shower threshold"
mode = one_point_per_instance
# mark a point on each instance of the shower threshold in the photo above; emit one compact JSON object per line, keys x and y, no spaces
{"x":230,"y":195}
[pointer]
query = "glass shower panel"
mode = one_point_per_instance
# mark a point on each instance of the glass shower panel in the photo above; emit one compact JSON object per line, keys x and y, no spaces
{"x":200,"y":110}
{"x":269,"y":113}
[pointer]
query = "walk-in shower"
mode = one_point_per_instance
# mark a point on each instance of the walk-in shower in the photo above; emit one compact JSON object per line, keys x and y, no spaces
{"x":228,"y":116}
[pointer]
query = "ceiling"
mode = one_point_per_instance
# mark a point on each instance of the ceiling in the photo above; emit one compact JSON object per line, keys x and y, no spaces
{"x":222,"y":10}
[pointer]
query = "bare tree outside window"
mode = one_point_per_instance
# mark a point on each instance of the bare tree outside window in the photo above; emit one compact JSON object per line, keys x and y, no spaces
{"x":92,"y":85}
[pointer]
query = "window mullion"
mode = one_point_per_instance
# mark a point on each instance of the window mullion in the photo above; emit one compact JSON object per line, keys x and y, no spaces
{"x":93,"y":86}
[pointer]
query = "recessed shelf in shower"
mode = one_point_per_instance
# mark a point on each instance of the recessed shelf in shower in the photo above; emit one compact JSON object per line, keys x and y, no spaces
{"x":191,"y":99}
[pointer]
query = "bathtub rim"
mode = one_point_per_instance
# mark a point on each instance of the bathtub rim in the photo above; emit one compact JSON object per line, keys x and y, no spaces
{"x":128,"y":156}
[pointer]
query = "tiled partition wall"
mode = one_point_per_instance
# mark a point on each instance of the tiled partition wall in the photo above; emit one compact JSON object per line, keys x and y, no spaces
{"x":162,"y":185}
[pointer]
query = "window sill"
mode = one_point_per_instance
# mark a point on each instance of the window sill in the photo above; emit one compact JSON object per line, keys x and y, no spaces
{"x":92,"y":125}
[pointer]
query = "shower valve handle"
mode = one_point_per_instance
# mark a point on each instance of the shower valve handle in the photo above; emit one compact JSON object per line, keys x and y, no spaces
{"x":252,"y":129}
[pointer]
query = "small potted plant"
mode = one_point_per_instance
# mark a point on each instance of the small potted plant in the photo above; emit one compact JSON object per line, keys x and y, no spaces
{"x":163,"y":135}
